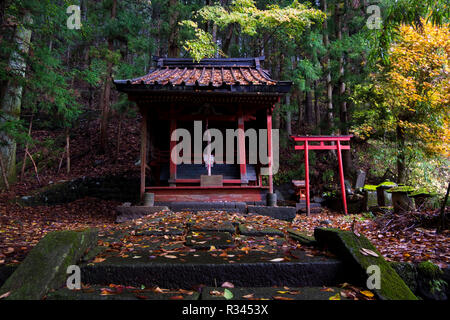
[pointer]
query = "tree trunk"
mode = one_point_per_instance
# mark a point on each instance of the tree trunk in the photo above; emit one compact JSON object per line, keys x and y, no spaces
{"x":24,"y":162}
{"x":228,"y":37}
{"x":400,"y":155}
{"x":342,"y":88}
{"x":316,"y":106}
{"x":68,"y":150}
{"x":443,"y":217}
{"x":174,"y":50}
{"x":308,"y":107}
{"x":105,"y":102}
{"x":326,"y":65}
{"x":12,"y":100}
{"x":288,"y":116}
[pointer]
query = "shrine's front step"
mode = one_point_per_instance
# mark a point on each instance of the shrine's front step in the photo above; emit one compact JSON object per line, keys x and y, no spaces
{"x":122,"y":292}
{"x":271,"y":293}
{"x":201,"y":268}
{"x":232,"y":206}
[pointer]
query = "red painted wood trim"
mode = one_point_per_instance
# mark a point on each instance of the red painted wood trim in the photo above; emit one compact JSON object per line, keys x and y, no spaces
{"x":194,"y":193}
{"x":312,"y":147}
{"x":143,"y":150}
{"x":172,"y":165}
{"x":198,"y":181}
{"x":241,"y":142}
{"x":307,"y":178}
{"x":269,"y":149}
{"x":341,"y":176}
{"x":321,"y":138}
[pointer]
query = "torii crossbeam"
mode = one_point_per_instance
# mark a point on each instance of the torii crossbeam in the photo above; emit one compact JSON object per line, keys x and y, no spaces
{"x":334,"y":144}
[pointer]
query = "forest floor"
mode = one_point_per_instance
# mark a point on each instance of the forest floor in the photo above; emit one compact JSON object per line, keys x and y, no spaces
{"x":21,"y":228}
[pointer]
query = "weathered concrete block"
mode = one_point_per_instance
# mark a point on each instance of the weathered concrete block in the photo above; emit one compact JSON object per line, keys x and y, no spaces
{"x":347,"y":245}
{"x":45,"y":266}
{"x":125,"y":213}
{"x":282,"y":213}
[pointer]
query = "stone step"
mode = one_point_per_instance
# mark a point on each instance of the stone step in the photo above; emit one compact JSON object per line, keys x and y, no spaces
{"x":244,"y":269}
{"x":272,"y":293}
{"x":121,"y":292}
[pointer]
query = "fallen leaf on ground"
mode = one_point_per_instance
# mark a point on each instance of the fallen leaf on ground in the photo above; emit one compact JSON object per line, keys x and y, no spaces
{"x":227,"y":285}
{"x":282,"y":298}
{"x":277,"y":260}
{"x":5,"y":295}
{"x":368,"y":252}
{"x":335,"y":297}
{"x":367,"y":293}
{"x":227,"y":294}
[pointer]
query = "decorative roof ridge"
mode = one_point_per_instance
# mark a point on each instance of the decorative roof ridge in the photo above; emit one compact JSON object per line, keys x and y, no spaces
{"x":227,"y":62}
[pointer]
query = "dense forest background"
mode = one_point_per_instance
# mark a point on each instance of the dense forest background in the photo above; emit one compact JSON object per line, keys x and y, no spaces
{"x":376,"y":69}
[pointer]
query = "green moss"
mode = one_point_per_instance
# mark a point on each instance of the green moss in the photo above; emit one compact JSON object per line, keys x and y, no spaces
{"x":405,"y":189}
{"x":45,"y":266}
{"x":387,"y":184}
{"x":370,"y":187}
{"x":407,"y":271}
{"x":429,"y":269}
{"x":347,"y":245}
{"x":422,"y":192}
{"x":301,"y":237}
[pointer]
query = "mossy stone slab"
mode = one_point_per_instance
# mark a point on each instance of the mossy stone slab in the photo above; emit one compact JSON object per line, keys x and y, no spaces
{"x":206,"y":240}
{"x":45,"y":266}
{"x":249,"y":230}
{"x":347,"y":245}
{"x":301,"y":237}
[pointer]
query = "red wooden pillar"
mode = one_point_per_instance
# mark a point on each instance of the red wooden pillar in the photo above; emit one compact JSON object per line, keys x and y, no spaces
{"x":173,"y":165}
{"x":269,"y":148}
{"x":143,"y":150}
{"x":307,"y":177}
{"x":242,"y":156}
{"x":341,"y":176}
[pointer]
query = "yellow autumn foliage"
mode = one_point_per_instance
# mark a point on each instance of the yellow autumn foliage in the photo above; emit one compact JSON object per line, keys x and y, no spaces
{"x":417,"y":85}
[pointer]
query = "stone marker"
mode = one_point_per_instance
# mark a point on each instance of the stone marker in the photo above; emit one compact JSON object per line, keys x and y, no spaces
{"x":348,"y":246}
{"x":360,"y":180}
{"x":45,"y":266}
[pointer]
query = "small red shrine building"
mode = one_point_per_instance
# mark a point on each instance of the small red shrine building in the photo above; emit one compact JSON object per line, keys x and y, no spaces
{"x":231,"y":93}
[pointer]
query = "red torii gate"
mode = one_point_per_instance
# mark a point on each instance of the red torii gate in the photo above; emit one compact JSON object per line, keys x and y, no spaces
{"x":322,"y":146}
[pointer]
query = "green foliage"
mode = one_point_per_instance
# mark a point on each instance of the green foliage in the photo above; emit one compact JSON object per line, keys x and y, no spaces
{"x":290,"y":21}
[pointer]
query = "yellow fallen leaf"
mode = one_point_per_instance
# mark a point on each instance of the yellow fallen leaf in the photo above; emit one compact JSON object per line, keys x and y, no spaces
{"x":367,"y":293}
{"x":98,"y":259}
{"x":337,"y":296}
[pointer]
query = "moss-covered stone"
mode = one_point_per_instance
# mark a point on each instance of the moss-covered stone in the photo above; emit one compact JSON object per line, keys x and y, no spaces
{"x":370,"y":187}
{"x":45,"y":266}
{"x":429,"y":270}
{"x":408,"y":272}
{"x":301,"y":237}
{"x":387,"y":184}
{"x":347,"y":245}
{"x":402,"y":189}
